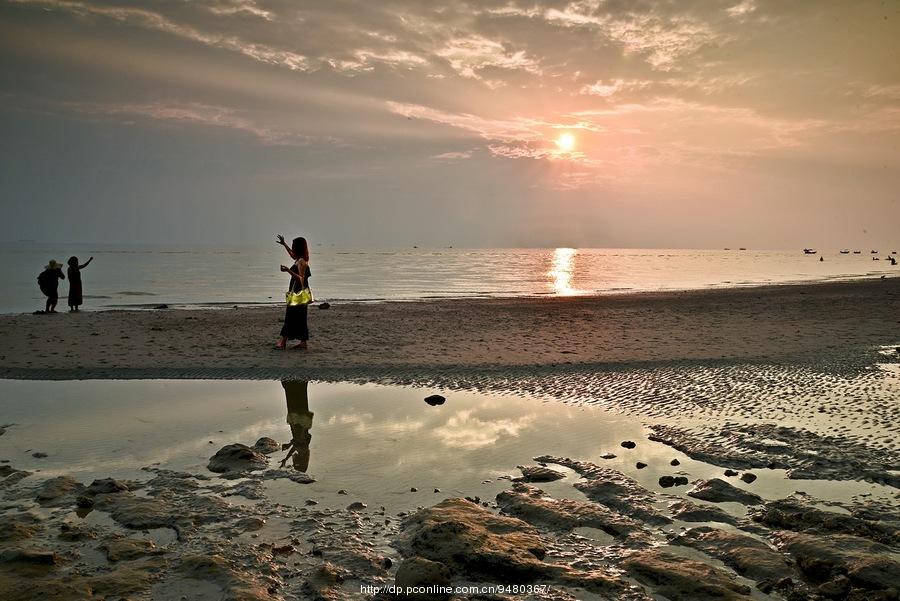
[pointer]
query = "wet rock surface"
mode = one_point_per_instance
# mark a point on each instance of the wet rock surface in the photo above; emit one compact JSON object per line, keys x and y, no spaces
{"x":681,"y":579}
{"x":796,"y":513}
{"x":539,"y":473}
{"x":871,"y":568}
{"x":234,"y":460}
{"x":613,"y":489}
{"x":687,"y":511}
{"x":805,"y":454}
{"x":717,"y":490}
{"x":535,"y":507}
{"x":748,"y":556}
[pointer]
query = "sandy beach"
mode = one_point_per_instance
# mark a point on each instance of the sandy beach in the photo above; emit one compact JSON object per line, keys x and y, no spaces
{"x":817,"y":322}
{"x":726,"y":444}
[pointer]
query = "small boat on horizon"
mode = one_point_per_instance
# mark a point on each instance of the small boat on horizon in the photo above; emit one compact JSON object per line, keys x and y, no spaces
{"x":809,"y":251}
{"x":857,"y":252}
{"x":874,"y":252}
{"x":845,"y":252}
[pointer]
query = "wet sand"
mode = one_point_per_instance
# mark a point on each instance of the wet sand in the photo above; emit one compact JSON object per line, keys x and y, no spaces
{"x":748,"y":390}
{"x":817,"y":322}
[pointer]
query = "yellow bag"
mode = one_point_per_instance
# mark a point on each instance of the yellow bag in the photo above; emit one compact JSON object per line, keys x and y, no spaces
{"x":304,"y":297}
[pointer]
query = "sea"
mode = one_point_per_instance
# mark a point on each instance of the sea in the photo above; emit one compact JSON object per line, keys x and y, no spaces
{"x":146,"y":276}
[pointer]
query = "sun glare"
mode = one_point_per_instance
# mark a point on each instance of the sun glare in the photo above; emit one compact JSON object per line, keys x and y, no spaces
{"x":566,"y":142}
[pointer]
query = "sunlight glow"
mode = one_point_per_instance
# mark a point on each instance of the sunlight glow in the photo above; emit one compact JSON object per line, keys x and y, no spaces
{"x":563,"y":266}
{"x":566,"y":142}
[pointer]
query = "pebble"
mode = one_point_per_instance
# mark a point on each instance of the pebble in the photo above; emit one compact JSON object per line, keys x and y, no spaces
{"x":628,"y":444}
{"x":640,"y":465}
{"x":674,"y":462}
{"x":748,"y":477}
{"x":730,"y":473}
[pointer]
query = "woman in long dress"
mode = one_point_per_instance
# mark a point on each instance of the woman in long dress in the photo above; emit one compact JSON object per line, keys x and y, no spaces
{"x":75,"y":290}
{"x":298,"y":295}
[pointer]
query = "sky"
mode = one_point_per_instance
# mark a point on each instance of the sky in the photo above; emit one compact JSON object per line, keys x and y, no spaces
{"x":594,"y":123}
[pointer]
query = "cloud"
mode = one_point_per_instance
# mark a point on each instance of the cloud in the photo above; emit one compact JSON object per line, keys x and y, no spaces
{"x":198,"y":114}
{"x":464,"y":430}
{"x":470,"y":56}
{"x":452,"y":156}
{"x":148,"y":19}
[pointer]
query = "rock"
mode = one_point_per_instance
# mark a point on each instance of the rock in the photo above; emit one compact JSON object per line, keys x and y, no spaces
{"x":421,"y":572}
{"x":681,"y":579}
{"x":472,"y":541}
{"x":127,"y":549}
{"x":236,"y":583}
{"x":19,"y":526}
{"x":84,"y":502}
{"x":38,"y":455}
{"x":674,"y":462}
{"x":613,"y":489}
{"x":564,"y":515}
{"x":413,"y":489}
{"x":342,"y":492}
{"x":681,"y":481}
{"x":687,"y":511}
{"x":55,"y":488}
{"x":640,"y":465}
{"x":76,"y":532}
{"x":748,"y":556}
{"x":730,"y":473}
{"x":356,"y":506}
{"x":748,"y":477}
{"x":249,"y":489}
{"x":435,"y":399}
{"x":266,"y":446}
{"x":288,"y":474}
{"x":324,"y":306}
{"x":607,"y":456}
{"x":310,"y":502}
{"x":532,"y":473}
{"x":250,"y":524}
{"x":106,"y":486}
{"x":163,"y":306}
{"x":793,"y":514}
{"x":868,"y":565}
{"x":719,"y":491}
{"x":628,"y":444}
{"x":667,"y":481}
{"x":29,"y":556}
{"x":235,"y":459}
{"x":835,"y":589}
{"x":475,"y":544}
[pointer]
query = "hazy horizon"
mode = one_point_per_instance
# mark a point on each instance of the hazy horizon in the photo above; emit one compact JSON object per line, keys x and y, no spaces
{"x":496,"y":124}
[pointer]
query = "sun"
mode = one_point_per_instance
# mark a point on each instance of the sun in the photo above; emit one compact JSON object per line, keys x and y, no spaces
{"x":566,"y":142}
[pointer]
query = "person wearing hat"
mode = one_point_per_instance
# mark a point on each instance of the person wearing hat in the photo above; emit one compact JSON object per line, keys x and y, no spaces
{"x":48,"y":281}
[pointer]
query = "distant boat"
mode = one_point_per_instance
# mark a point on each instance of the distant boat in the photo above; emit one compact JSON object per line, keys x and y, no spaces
{"x":874,"y":252}
{"x":856,"y":252}
{"x":893,"y":252}
{"x":742,"y":248}
{"x":845,"y":252}
{"x":727,"y":249}
{"x":809,"y":251}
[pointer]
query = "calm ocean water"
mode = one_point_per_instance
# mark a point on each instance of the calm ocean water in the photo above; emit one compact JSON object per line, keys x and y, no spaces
{"x":151,"y":275}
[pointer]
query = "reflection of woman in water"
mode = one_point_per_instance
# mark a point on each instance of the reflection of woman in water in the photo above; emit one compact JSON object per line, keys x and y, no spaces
{"x":299,"y":418}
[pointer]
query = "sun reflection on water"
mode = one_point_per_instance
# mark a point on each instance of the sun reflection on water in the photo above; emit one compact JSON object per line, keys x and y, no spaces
{"x":563,"y":267}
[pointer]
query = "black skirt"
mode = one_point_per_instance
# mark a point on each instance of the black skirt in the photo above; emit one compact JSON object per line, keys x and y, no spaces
{"x":295,"y":326}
